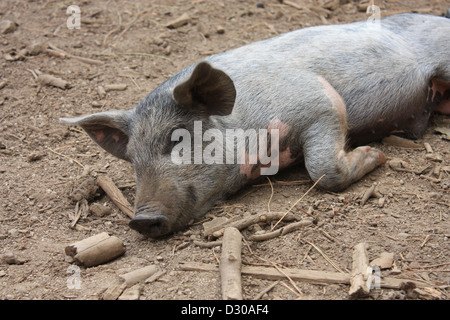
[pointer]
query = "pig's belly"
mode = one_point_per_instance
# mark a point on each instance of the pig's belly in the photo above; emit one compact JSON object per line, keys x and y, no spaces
{"x":409,"y":120}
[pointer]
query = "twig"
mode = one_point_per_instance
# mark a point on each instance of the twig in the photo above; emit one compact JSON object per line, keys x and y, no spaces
{"x":282,"y":183}
{"x":62,"y":155}
{"x":326,"y":257}
{"x":210,"y":244}
{"x":292,"y":290}
{"x":271,"y":195}
{"x":62,"y":54}
{"x":301,"y":198}
{"x":326,"y":235}
{"x":282,"y":231}
{"x":294,"y":5}
{"x":266,"y":290}
{"x":79,"y":209}
{"x":275,"y":265}
{"x":425,"y":241}
{"x":371,"y":192}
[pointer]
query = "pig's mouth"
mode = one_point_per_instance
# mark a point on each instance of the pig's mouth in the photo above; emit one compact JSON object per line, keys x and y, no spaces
{"x":150,"y":223}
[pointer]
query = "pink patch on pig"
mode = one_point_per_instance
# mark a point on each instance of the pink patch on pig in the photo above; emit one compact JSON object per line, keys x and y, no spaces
{"x":283,"y":128}
{"x":99,"y":135}
{"x":253,"y":171}
{"x":285,"y":158}
{"x":248,"y":169}
{"x":443,"y":88}
{"x":336,"y":101}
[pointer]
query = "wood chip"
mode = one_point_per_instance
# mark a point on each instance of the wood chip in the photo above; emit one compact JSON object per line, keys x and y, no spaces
{"x":178,"y":22}
{"x":132,"y":293}
{"x":133,"y":277}
{"x":115,"y":87}
{"x":114,"y":292}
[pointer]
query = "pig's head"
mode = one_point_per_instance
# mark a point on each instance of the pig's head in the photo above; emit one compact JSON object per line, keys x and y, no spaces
{"x":168,"y":195}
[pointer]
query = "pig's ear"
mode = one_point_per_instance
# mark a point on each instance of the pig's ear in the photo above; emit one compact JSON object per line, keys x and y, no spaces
{"x":207,"y":90}
{"x":109,"y":129}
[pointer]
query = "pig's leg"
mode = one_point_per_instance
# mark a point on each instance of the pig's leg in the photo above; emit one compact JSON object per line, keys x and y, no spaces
{"x":325,"y":147}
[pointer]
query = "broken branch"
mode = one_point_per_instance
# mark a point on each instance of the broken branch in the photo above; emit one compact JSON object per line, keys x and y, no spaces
{"x":358,"y":286}
{"x":230,"y":264}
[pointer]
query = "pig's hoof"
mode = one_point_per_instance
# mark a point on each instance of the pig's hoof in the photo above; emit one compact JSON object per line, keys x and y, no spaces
{"x":150,"y":225}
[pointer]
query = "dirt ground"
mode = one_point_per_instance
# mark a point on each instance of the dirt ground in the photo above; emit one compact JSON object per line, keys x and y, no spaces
{"x":43,"y":160}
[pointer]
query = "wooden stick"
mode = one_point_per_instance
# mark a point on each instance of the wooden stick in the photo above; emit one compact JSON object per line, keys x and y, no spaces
{"x":358,"y":285}
{"x":301,"y":198}
{"x":115,"y":87}
{"x":95,"y":250}
{"x":230,"y":264}
{"x":311,"y":276}
{"x":116,"y":196}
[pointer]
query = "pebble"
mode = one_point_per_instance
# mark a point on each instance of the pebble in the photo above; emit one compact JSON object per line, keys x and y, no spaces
{"x":10,"y":258}
{"x":7,"y":26}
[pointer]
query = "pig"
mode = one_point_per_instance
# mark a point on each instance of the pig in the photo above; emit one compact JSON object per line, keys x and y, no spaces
{"x":327,"y":91}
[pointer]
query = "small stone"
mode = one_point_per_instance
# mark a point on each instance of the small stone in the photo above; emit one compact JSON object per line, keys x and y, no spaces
{"x":10,"y":258}
{"x":7,"y":26}
{"x":384,"y":261}
{"x":181,"y":21}
{"x":36,"y":48}
{"x":220,"y":30}
{"x":34,"y":157}
{"x":100,"y":210}
{"x":260,"y":5}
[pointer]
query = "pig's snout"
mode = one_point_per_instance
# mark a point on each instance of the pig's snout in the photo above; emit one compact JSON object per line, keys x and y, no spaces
{"x":150,"y":223}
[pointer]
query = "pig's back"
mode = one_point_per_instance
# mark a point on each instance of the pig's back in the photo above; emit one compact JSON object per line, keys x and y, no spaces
{"x":370,"y":68}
